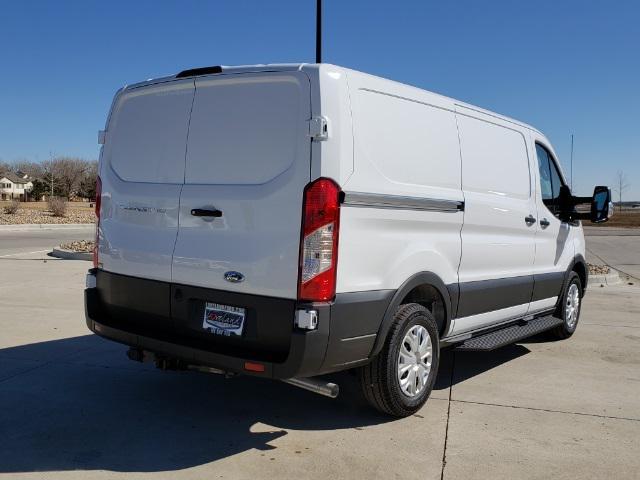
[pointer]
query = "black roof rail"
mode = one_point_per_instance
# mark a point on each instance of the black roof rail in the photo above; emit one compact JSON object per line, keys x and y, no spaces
{"x":194,"y":72}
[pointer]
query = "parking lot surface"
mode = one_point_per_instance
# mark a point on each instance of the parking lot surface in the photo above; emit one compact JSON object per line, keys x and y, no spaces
{"x":617,"y":247}
{"x":72,"y":405}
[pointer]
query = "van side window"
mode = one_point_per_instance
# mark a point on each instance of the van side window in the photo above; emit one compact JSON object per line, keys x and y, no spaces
{"x":550,"y":180}
{"x":556,"y":180}
{"x":546,"y":188}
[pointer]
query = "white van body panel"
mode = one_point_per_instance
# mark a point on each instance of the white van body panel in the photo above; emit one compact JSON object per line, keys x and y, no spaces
{"x":331,"y":100}
{"x":142,"y":171}
{"x":405,"y":146}
{"x":498,"y":194}
{"x":248,"y":155}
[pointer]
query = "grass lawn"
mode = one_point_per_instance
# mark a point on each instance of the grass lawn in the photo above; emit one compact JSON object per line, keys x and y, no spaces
{"x":624,"y":218}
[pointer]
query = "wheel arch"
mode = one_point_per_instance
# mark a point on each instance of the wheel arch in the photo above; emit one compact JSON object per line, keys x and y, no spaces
{"x":579,"y":265}
{"x":425,"y":288}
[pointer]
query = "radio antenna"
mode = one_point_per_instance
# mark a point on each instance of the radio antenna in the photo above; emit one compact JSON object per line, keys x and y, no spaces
{"x":571,"y":162}
{"x":318,"y":31}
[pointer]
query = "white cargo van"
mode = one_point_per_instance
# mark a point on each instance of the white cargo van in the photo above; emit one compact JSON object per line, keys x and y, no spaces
{"x":288,"y":221}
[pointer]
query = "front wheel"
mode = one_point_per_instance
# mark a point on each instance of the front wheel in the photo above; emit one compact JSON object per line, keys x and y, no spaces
{"x":399,"y":380}
{"x":569,"y":308}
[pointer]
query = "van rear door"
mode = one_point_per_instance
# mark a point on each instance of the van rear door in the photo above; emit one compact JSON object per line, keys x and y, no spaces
{"x":142,"y":172}
{"x":247,"y":163}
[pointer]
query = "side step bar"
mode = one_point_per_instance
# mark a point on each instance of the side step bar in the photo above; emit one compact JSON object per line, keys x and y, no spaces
{"x":509,"y":335}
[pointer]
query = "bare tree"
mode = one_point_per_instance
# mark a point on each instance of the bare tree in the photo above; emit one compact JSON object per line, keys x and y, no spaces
{"x":71,"y":172}
{"x":69,"y":176}
{"x":50,"y":175}
{"x":33,"y":169}
{"x":621,"y":185}
{"x":87,"y":188}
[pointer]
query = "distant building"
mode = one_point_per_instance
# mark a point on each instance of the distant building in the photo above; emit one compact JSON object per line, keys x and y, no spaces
{"x":15,"y":186}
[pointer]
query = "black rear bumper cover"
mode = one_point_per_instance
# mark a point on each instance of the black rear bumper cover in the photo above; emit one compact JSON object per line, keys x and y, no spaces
{"x":344,"y":338}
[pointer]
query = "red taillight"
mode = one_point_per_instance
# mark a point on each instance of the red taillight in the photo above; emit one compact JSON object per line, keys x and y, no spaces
{"x":319,"y":244}
{"x":254,"y":367}
{"x":98,"y":205}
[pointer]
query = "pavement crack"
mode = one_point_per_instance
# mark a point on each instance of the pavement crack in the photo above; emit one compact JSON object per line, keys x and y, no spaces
{"x":446,"y":431}
{"x":596,"y":255}
{"x":611,"y":266}
{"x":610,"y":326}
{"x":582,"y":414}
{"x":22,"y":372}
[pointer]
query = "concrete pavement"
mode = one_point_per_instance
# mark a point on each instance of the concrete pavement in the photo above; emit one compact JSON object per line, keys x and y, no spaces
{"x":73,"y":406}
{"x":616,"y":247}
{"x":41,"y":241}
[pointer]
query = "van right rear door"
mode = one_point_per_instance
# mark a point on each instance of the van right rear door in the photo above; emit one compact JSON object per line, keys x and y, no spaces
{"x":238,"y":246}
{"x":248,"y":161}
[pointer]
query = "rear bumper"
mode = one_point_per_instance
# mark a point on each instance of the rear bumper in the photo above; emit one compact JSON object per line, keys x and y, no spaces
{"x":305,"y":358}
{"x":346,"y":332}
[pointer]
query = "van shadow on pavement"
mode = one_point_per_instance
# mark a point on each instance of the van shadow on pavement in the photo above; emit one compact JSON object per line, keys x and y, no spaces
{"x":80,"y":404}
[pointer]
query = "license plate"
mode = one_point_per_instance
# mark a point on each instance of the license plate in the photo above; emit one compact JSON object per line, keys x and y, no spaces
{"x":223,"y":319}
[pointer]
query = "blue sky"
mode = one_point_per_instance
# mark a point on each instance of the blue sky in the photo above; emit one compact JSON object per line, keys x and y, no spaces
{"x":563,"y":66}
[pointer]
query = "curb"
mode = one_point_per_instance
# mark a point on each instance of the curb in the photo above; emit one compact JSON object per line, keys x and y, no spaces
{"x":27,"y":227}
{"x":611,"y":278}
{"x":71,"y":255}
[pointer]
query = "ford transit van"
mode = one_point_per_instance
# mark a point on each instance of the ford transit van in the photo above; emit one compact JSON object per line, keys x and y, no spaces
{"x":288,"y":221}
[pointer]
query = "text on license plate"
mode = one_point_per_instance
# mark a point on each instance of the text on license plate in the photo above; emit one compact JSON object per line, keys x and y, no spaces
{"x":223,"y":319}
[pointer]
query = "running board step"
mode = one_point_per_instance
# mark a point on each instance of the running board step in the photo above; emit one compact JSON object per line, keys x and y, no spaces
{"x":509,"y":335}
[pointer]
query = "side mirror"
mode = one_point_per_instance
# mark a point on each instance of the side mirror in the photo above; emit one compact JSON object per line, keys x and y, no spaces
{"x":601,"y":205}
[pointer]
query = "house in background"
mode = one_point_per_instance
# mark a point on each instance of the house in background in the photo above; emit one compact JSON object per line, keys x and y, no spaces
{"x":14,"y":186}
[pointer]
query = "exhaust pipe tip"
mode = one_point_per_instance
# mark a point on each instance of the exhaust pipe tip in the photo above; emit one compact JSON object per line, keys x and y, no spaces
{"x":135,"y":354}
{"x":327,"y":389}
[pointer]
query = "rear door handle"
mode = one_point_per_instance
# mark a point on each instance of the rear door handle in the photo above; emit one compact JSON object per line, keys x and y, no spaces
{"x":544,"y":223}
{"x":200,"y":212}
{"x":530,"y":220}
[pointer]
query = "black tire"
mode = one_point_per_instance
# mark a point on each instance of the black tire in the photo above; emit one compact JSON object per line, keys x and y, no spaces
{"x":567,"y":328}
{"x":379,"y":379}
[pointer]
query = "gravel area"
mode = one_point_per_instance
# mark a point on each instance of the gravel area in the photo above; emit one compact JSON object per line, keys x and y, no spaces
{"x":37,"y":216}
{"x":79,"y":246}
{"x":598,"y":269}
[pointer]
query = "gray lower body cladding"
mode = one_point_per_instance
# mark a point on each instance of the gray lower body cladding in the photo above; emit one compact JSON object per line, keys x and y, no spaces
{"x":167,"y":319}
{"x":489,"y":295}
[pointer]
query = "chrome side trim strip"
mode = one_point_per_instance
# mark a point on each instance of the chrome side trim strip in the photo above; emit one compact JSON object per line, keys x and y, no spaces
{"x":377,"y":200}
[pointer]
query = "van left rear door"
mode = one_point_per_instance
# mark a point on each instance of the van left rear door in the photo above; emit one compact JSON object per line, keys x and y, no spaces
{"x":142,"y":173}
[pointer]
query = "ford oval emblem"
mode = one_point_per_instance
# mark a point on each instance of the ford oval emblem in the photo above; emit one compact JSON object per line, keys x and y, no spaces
{"x":233,"y":277}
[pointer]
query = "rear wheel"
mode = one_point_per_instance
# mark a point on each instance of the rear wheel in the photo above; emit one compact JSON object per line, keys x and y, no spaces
{"x":569,"y":308}
{"x":399,"y":380}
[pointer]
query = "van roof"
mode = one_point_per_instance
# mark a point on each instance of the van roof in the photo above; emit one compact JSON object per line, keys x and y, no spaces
{"x":216,"y":69}
{"x":273,"y":67}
